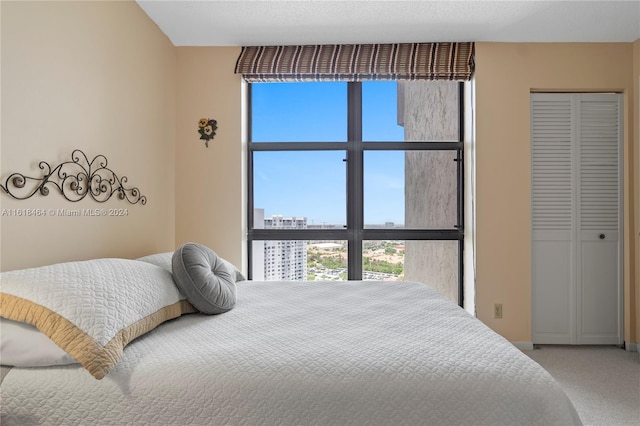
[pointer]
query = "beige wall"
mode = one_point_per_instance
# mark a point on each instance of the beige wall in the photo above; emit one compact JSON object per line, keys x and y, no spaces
{"x":506,"y":73}
{"x":98,"y":76}
{"x":210,"y":182}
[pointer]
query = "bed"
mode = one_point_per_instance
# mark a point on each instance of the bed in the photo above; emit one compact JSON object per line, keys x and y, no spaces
{"x":289,"y":353}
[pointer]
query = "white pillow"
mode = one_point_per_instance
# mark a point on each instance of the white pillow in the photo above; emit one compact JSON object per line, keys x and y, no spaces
{"x":164,"y":260}
{"x":22,"y":345}
{"x":92,"y":309}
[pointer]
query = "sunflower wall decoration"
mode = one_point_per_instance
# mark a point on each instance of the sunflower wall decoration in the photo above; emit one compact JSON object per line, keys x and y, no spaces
{"x":207,"y":129}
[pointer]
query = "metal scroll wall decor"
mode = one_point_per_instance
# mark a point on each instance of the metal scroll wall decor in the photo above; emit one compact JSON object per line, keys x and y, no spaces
{"x":74,"y":179}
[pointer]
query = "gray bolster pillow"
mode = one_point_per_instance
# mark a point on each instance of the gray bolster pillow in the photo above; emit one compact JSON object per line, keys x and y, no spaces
{"x":204,"y":278}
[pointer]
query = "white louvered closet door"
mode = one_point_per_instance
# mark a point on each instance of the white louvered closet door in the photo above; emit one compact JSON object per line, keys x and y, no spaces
{"x":553,"y":219}
{"x":599,"y":220}
{"x":576,"y":218}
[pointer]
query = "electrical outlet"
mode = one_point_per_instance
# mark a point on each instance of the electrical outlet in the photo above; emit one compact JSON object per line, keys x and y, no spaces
{"x":497,"y":310}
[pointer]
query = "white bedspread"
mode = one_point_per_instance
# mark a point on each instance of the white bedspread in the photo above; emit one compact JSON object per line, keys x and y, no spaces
{"x":292,"y":353}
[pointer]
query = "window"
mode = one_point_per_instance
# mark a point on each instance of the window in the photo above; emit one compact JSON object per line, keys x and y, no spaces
{"x":357,"y":180}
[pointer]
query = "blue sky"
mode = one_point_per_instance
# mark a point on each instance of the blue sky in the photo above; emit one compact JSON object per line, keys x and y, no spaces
{"x":313,"y":184}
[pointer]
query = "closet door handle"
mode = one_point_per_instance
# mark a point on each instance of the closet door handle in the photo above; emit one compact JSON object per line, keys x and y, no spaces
{"x":602,"y":236}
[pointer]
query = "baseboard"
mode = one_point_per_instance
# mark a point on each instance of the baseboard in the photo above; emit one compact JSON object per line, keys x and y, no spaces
{"x":631,"y":347}
{"x":528,"y":346}
{"x":523,"y":346}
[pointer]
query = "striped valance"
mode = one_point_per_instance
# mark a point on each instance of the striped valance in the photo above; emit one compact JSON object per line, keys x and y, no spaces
{"x":357,"y":62}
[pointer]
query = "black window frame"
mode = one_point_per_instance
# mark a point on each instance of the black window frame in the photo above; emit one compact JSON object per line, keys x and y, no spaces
{"x":355,"y":232}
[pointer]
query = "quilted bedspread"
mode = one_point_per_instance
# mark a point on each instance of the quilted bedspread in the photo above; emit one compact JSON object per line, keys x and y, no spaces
{"x":304,"y":353}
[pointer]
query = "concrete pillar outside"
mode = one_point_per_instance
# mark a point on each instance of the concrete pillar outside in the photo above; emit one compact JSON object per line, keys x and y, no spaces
{"x":430,"y":113}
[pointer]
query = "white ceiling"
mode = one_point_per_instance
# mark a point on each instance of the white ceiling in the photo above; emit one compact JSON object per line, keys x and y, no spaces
{"x":271,"y":22}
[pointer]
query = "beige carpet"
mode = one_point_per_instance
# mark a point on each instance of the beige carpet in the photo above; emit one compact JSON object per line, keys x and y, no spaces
{"x":603,"y":382}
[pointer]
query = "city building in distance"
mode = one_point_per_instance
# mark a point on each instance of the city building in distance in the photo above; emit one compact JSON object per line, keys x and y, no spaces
{"x":279,"y":260}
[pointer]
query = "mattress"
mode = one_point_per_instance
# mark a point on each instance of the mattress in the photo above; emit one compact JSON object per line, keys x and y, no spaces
{"x":304,"y":353}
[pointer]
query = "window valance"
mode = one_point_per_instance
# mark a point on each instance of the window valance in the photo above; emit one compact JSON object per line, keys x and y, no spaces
{"x":357,"y":62}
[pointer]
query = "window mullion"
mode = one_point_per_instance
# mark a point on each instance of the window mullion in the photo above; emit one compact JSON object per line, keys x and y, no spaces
{"x":460,"y":188}
{"x":250,"y":205}
{"x":355,"y":183}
